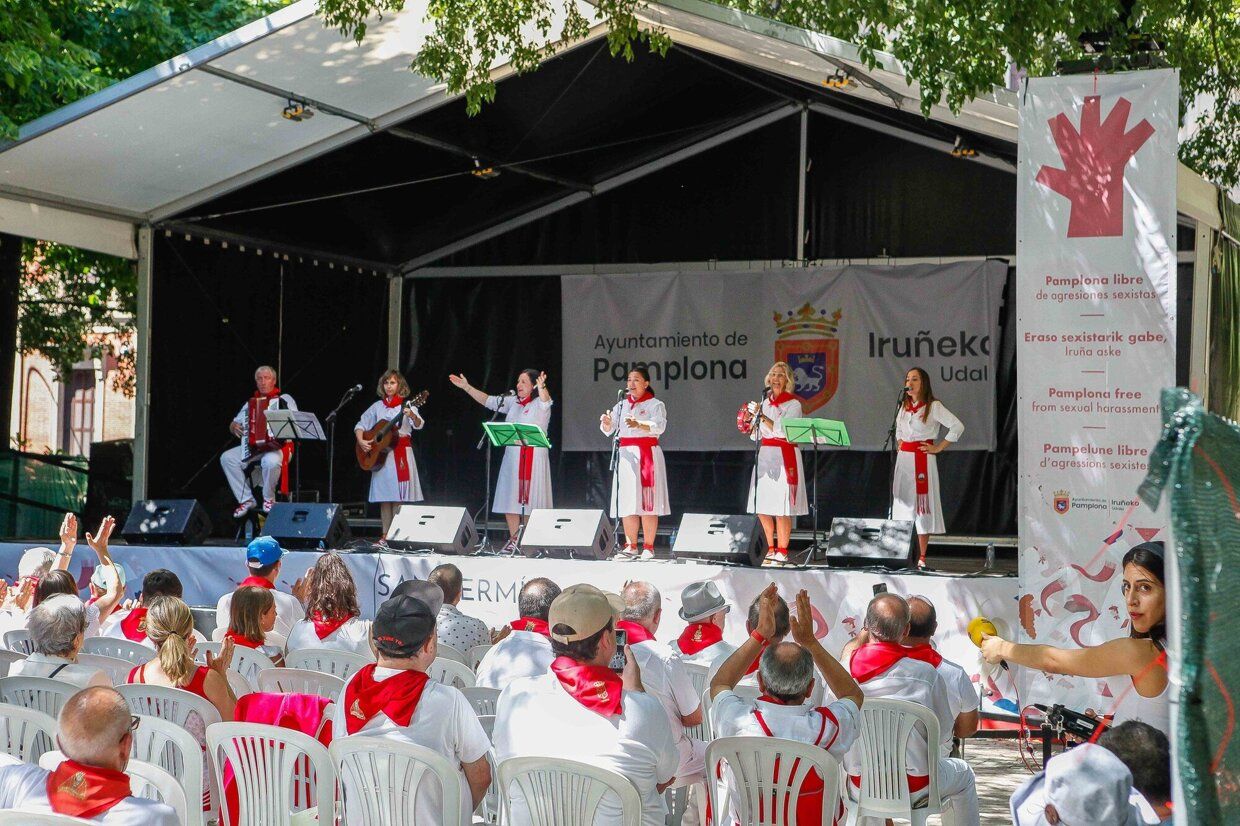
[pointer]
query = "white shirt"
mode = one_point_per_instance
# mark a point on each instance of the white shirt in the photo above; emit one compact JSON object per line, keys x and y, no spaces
{"x":112,"y":628}
{"x":288,"y":612}
{"x":41,"y":665}
{"x":665,"y":678}
{"x":520,"y":654}
{"x":353,"y":637}
{"x":962,"y":697}
{"x":444,"y":722}
{"x":537,"y":717}
{"x":25,"y":787}
{"x":460,"y":631}
{"x":910,"y":427}
{"x":733,"y":716}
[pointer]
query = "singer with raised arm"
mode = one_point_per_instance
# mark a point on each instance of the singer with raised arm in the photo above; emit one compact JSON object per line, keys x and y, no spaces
{"x":395,"y":479}
{"x":915,"y":484}
{"x":525,"y":474}
{"x":250,"y":425}
{"x":1141,"y":656}
{"x":777,"y":486}
{"x":639,"y":492}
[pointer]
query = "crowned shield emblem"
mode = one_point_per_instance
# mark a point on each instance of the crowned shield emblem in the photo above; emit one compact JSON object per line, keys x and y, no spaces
{"x":806,"y":341}
{"x":75,"y":786}
{"x":1061,"y":502}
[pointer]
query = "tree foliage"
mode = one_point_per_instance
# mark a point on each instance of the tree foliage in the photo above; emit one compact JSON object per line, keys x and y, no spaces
{"x":953,"y":51}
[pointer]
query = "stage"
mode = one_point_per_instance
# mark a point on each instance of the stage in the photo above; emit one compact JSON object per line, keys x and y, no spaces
{"x":839,"y":596}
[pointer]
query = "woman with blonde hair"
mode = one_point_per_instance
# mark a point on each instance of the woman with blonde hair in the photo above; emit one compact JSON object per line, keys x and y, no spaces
{"x":251,"y":616}
{"x":333,"y":616}
{"x":395,"y":479}
{"x":777,"y":489}
{"x":170,"y":628}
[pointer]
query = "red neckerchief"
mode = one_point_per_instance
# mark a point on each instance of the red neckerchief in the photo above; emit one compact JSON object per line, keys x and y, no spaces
{"x":83,"y":791}
{"x":782,"y":398}
{"x":133,"y":626}
{"x":528,"y":399}
{"x":256,"y":582}
{"x":237,"y":639}
{"x":393,"y":401}
{"x":698,"y":636}
{"x":649,"y":394}
{"x":594,"y":686}
{"x":397,"y":697}
{"x":637,"y":633}
{"x":921,"y":471}
{"x":913,"y":407}
{"x":324,"y":628}
{"x":876,"y":658}
{"x":533,"y":624}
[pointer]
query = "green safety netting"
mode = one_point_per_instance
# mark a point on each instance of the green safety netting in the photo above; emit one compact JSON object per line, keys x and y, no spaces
{"x":36,"y":492}
{"x":1197,"y":465}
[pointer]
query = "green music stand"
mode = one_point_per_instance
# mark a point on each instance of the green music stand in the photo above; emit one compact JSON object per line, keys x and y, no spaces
{"x":514,"y":434}
{"x":816,"y":432}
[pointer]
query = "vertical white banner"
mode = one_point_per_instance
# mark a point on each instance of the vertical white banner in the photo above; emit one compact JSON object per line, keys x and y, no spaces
{"x":1096,"y":281}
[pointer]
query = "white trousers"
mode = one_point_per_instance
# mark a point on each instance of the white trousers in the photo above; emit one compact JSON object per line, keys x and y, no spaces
{"x":956,"y":785}
{"x":230,"y":460}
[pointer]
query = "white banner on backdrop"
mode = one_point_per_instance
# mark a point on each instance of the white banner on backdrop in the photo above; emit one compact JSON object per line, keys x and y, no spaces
{"x":850,"y":334}
{"x":1096,"y":283}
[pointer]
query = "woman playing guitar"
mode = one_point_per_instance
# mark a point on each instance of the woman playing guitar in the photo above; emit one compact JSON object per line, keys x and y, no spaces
{"x":393,"y":479}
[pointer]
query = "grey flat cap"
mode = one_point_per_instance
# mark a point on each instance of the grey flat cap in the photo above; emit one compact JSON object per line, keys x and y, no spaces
{"x":701,"y":599}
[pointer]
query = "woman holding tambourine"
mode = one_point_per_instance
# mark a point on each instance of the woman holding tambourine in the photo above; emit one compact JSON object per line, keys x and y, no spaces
{"x":777,"y":488}
{"x":639,"y":495}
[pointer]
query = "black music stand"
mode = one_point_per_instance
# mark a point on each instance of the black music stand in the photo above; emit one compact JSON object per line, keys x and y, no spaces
{"x":295,"y":426}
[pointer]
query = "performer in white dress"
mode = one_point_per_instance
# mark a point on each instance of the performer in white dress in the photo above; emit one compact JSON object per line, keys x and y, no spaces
{"x":250,"y":425}
{"x":780,"y":478}
{"x":525,"y":475}
{"x":642,"y":485}
{"x":915,"y":488}
{"x":395,"y":480}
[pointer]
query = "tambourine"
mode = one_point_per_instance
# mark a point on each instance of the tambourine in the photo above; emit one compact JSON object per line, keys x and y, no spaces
{"x":744,"y":417}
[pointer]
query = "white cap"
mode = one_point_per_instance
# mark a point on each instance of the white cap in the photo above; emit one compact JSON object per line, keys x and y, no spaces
{"x":1088,"y":786}
{"x":35,"y":562}
{"x":100,"y":581}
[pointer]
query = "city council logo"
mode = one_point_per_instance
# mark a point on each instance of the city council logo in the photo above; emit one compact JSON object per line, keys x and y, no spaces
{"x":1061,"y":502}
{"x":806,"y":340}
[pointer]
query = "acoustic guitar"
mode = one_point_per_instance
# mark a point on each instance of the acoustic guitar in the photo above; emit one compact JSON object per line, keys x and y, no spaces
{"x":384,"y":435}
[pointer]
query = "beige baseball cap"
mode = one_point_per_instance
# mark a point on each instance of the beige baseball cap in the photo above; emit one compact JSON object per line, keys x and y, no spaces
{"x":585,"y":610}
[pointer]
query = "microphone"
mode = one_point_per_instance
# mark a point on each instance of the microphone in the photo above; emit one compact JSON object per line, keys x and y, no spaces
{"x":979,"y":626}
{"x":511,"y":392}
{"x":620,"y":393}
{"x":766,"y":390}
{"x":357,"y":388}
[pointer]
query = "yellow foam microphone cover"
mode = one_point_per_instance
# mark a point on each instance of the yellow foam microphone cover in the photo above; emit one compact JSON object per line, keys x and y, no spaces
{"x":979,"y":626}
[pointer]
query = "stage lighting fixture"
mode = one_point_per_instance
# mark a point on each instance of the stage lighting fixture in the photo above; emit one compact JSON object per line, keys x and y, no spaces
{"x":485,"y":173}
{"x":297,"y":111}
{"x":840,"y":80}
{"x":962,"y":149}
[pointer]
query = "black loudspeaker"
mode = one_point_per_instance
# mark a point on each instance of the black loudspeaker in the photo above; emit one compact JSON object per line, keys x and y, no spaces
{"x":861,"y":542}
{"x":307,"y":525}
{"x":567,"y":533}
{"x":166,"y":522}
{"x":432,"y":528}
{"x":720,"y":538}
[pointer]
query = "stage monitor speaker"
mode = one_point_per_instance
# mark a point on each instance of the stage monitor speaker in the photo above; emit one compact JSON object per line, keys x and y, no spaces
{"x":166,"y":522}
{"x":307,"y":525}
{"x":432,"y":528}
{"x":566,"y":533}
{"x":855,"y":542}
{"x":720,"y":538}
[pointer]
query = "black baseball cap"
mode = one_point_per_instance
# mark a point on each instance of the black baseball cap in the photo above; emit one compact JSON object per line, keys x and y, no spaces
{"x":403,"y":624}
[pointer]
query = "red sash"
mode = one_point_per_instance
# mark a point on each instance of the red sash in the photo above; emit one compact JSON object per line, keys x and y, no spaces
{"x":133,"y":626}
{"x":921,"y":469}
{"x":84,"y":791}
{"x":237,"y":639}
{"x":324,"y":628}
{"x":645,"y":446}
{"x":525,"y":472}
{"x":636,"y":633}
{"x":809,"y":801}
{"x":876,"y":658}
{"x":397,"y":697}
{"x":400,"y":448}
{"x":597,"y":688}
{"x":533,"y":624}
{"x":698,"y":636}
{"x":257,"y":582}
{"x":789,"y":451}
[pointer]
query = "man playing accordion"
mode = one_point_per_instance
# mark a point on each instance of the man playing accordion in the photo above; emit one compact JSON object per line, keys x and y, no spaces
{"x":250,"y":425}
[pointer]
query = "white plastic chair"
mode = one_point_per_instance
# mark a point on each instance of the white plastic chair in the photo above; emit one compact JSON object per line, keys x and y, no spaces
{"x":132,"y":652}
{"x":299,"y":681}
{"x":240,"y":685}
{"x":451,"y":672}
{"x":475,"y":654}
{"x":19,"y":640}
{"x":882,"y":747}
{"x":340,"y":664}
{"x":116,"y":668}
{"x":561,"y":792}
{"x":40,"y":693}
{"x":20,"y":817}
{"x":448,"y":652}
{"x":268,"y":769}
{"x":489,"y":809}
{"x":160,"y":743}
{"x":768,"y":775}
{"x":246,"y":661}
{"x":145,"y":780}
{"x":26,"y":733}
{"x":380,"y":780}
{"x":483,"y":700}
{"x":7,"y":658}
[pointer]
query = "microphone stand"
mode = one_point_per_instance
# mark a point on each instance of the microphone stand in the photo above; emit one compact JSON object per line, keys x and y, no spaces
{"x":615,"y":476}
{"x":330,"y":418}
{"x":755,"y":433}
{"x":485,"y":547}
{"x":891,"y":448}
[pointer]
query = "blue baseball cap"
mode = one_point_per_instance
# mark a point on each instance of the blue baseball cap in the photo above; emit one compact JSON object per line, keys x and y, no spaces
{"x":263,"y":551}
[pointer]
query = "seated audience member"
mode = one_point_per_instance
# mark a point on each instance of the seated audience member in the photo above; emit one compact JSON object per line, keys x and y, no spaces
{"x":1147,"y":753}
{"x":886,"y":669}
{"x":107,"y":584}
{"x":526,"y":652}
{"x":458,"y":630}
{"x":57,"y":629}
{"x":786,"y":676}
{"x":251,"y":618}
{"x":169,"y":628}
{"x":751,"y":624}
{"x":394,"y":698}
{"x":333,"y":617}
{"x":662,"y":674}
{"x":1086,"y":784}
{"x":428,"y":592}
{"x":130,"y":623}
{"x":19,"y":597}
{"x":582,"y":710}
{"x":705,"y":610}
{"x":95,"y":733}
{"x":62,"y":582}
{"x":263,"y":556}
